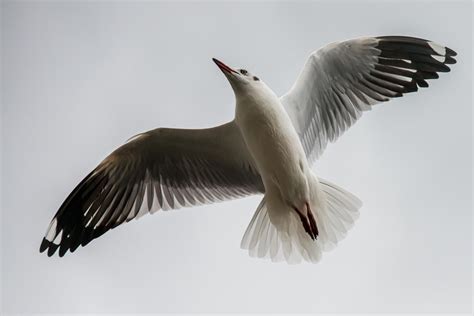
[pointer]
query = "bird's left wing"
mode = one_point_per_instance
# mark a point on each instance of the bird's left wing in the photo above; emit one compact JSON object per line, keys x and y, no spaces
{"x":160,"y":169}
{"x":341,"y":80}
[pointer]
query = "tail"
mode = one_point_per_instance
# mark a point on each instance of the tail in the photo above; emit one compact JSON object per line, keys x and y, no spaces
{"x":280,"y":236}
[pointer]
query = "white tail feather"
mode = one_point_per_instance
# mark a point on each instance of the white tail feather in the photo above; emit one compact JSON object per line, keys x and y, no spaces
{"x":335,"y":212}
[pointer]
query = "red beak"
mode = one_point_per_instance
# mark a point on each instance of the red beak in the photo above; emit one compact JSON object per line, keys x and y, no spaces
{"x":223,"y":66}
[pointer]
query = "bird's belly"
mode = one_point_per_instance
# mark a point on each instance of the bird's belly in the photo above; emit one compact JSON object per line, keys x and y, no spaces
{"x":277,"y":152}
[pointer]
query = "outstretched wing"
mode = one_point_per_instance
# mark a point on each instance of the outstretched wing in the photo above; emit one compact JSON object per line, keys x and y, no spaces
{"x":342,"y":80}
{"x":160,"y":169}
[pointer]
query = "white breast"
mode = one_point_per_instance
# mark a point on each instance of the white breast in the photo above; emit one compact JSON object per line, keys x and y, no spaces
{"x":273,"y":143}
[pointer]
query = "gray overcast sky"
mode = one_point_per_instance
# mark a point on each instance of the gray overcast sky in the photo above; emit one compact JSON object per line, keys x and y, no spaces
{"x":79,"y":78}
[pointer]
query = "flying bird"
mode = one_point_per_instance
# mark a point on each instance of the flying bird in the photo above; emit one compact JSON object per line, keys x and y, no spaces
{"x":268,"y":148}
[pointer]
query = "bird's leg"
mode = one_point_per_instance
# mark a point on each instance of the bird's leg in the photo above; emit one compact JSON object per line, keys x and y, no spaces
{"x":312,"y":221}
{"x":305,"y":223}
{"x":307,"y":219}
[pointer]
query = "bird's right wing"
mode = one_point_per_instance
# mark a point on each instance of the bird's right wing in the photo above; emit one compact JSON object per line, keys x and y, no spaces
{"x":160,"y":169}
{"x":341,"y":80}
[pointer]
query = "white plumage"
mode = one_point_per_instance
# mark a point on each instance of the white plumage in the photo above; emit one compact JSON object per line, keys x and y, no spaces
{"x":267,"y":149}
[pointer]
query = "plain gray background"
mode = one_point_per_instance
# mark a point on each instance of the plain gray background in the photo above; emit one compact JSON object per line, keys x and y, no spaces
{"x":79,"y":78}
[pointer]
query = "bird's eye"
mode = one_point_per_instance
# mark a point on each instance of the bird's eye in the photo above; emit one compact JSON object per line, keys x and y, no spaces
{"x":255,"y":78}
{"x":243,"y":72}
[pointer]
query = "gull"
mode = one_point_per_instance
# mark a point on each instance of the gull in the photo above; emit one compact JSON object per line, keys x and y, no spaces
{"x":268,"y":148}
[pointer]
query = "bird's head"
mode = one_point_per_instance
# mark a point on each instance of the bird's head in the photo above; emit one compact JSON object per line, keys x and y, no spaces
{"x":241,"y":80}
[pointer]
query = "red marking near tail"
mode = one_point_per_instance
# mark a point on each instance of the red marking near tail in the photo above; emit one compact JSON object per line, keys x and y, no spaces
{"x":308,"y":221}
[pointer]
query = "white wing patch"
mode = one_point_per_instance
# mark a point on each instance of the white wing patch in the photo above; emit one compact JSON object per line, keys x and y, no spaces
{"x":441,"y":50}
{"x":441,"y":59}
{"x":51,"y":232}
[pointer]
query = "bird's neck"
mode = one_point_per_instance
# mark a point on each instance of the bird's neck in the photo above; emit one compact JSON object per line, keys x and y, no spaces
{"x":255,"y":97}
{"x":259,"y":108}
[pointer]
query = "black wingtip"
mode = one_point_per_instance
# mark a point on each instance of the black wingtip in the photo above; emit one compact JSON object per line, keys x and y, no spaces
{"x":52,"y":249}
{"x":422,"y":83}
{"x":450,"y":52}
{"x":48,"y":246}
{"x":449,"y":60}
{"x":62,"y":250}
{"x":44,"y":245}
